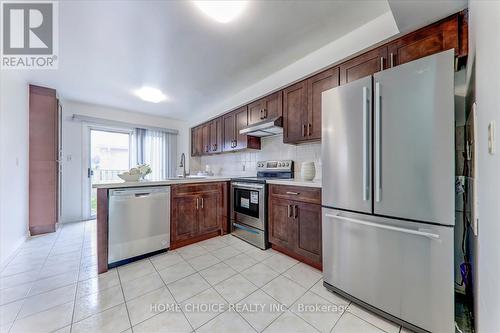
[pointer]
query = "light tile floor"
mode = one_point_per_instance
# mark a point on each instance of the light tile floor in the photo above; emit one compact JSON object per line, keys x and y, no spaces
{"x":219,"y":285}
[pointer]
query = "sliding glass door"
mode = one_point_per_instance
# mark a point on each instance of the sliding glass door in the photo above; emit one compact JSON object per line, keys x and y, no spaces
{"x":109,"y":155}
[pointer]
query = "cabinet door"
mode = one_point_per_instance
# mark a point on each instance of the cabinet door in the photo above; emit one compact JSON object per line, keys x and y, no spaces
{"x":363,"y":65}
{"x":316,"y":85}
{"x":295,"y":112}
{"x":241,"y":120}
{"x":205,"y":133}
{"x":273,"y":105}
{"x":215,"y":136}
{"x":429,"y":40}
{"x":209,"y":212}
{"x":280,"y":223}
{"x":256,"y":111}
{"x":228,"y":132}
{"x":307,"y":220}
{"x":184,"y":217}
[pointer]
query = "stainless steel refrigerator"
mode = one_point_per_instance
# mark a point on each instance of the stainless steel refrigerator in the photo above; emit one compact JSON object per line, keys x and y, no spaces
{"x":388,"y":192}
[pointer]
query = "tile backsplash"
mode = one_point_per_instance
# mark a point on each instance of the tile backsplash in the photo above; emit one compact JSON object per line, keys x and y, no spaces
{"x":244,"y":163}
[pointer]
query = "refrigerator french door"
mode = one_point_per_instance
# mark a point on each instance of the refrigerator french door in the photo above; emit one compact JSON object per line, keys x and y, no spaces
{"x":388,"y":192}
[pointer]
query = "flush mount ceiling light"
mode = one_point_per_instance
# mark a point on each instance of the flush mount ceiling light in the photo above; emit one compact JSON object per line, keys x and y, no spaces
{"x":152,"y":95}
{"x":222,"y":11}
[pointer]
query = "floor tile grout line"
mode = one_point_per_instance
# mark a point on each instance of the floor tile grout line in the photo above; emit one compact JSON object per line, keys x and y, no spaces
{"x":77,"y":281}
{"x":124,"y":300}
{"x":24,"y":299}
{"x":166,"y":286}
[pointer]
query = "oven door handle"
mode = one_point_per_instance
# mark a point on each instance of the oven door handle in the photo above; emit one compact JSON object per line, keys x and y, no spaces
{"x":250,"y":186}
{"x":245,"y":228}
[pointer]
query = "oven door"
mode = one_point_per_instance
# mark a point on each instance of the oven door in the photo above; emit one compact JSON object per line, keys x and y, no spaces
{"x":248,"y":204}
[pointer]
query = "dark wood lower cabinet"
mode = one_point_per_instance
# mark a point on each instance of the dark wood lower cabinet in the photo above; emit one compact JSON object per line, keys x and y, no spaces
{"x":295,"y":226}
{"x":198,"y":212}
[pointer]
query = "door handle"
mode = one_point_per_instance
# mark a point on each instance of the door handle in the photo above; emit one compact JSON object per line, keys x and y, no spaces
{"x":295,"y":209}
{"x":201,"y":202}
{"x":366,"y":138}
{"x":197,"y":203}
{"x":289,"y":210}
{"x":383,"y":226}
{"x":378,"y":143}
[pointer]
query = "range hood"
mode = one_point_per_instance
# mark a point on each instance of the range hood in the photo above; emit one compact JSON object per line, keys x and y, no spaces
{"x":263,"y":128}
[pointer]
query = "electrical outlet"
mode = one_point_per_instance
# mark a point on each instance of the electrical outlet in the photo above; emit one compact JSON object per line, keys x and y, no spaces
{"x":491,"y":138}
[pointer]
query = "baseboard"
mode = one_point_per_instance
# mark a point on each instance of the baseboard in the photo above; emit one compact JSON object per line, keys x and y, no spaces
{"x":42,"y":229}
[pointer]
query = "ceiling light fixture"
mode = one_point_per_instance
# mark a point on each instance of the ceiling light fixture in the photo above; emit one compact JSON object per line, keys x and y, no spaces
{"x":152,"y":95}
{"x":222,"y":11}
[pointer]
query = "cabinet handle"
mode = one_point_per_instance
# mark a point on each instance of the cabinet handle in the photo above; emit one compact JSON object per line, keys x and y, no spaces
{"x":292,"y":193}
{"x":392,"y":59}
{"x":197,"y":203}
{"x":201,"y":202}
{"x":261,"y":114}
{"x":214,"y":147}
{"x":304,"y":130}
{"x":265,"y":113}
{"x":381,"y":63}
{"x":295,"y":209}
{"x":289,"y":210}
{"x":309,"y":129}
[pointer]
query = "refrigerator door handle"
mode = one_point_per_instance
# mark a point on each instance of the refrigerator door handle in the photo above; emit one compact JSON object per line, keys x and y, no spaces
{"x":383,"y":226}
{"x":378,"y":167}
{"x":366,"y":143}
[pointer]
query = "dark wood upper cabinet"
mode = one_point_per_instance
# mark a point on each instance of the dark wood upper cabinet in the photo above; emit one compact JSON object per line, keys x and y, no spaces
{"x":432,"y":39}
{"x":228,"y":125}
{"x":205,"y":134}
{"x":265,"y":108}
{"x":241,"y":120}
{"x":366,"y":64}
{"x":316,"y":85}
{"x":197,"y":141}
{"x":300,"y":103}
{"x":215,"y":136}
{"x":295,"y":112}
{"x":43,"y":159}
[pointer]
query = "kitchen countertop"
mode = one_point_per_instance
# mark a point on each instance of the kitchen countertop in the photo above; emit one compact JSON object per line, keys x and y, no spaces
{"x":295,"y":182}
{"x":122,"y":184}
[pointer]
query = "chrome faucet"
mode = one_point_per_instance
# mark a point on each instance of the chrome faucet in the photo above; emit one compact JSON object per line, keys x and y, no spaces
{"x":183,"y":165}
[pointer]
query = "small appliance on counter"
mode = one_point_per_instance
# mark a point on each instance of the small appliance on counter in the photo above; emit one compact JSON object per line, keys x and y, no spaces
{"x":249,"y":201}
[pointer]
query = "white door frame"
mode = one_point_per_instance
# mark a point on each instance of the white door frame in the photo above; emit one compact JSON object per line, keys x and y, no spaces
{"x":86,"y":163}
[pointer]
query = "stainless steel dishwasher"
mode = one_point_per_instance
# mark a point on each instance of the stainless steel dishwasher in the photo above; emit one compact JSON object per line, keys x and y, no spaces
{"x":139,"y":223}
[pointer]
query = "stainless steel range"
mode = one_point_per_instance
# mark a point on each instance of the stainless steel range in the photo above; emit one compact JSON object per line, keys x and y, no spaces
{"x":249,"y":201}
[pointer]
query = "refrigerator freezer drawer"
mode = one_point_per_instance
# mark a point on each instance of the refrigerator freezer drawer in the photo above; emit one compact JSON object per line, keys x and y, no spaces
{"x":402,"y":268}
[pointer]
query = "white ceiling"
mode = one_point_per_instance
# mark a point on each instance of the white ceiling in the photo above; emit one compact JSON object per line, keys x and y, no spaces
{"x":110,"y":48}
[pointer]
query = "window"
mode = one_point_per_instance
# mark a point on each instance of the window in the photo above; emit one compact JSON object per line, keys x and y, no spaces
{"x":158,"y":149}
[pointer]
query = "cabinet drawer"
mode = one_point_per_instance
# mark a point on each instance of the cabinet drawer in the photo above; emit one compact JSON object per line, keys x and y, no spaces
{"x":195,"y":188}
{"x":297,"y":193}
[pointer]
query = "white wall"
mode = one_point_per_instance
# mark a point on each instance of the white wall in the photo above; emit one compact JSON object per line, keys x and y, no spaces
{"x":373,"y":32}
{"x":485,"y":49}
{"x":74,"y":173}
{"x":13,"y":162}
{"x":244,"y":163}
